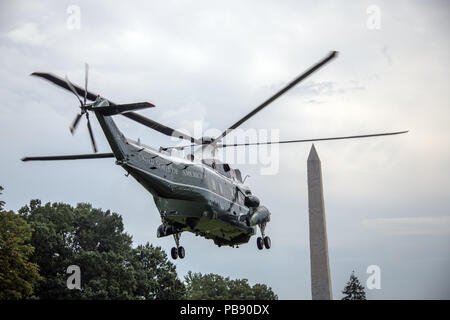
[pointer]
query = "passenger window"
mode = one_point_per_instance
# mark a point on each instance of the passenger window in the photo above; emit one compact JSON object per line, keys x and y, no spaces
{"x":241,"y":198}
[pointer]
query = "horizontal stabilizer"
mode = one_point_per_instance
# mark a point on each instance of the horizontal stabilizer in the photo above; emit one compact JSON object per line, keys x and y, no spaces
{"x":70,"y":157}
{"x":122,"y":108}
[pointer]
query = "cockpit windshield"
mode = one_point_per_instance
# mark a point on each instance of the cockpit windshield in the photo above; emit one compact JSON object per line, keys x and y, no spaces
{"x":223,"y":168}
{"x":238,"y":174}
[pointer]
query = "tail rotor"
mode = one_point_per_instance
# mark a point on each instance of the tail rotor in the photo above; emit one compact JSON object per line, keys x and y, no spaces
{"x":83,"y":106}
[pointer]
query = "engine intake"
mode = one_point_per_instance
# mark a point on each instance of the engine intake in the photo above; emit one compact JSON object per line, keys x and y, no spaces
{"x":251,"y":201}
{"x":261,"y":215}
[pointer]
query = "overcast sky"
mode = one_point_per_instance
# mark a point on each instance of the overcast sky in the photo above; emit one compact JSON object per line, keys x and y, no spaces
{"x":387,"y":199}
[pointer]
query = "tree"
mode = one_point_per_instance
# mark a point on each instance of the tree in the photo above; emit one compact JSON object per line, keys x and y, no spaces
{"x":263,"y":292}
{"x":156,"y":277}
{"x":95,"y":241}
{"x":17,"y":273}
{"x":215,"y":287}
{"x":354,"y":290}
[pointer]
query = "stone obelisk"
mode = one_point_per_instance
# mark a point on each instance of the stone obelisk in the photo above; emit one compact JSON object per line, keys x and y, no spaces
{"x":318,"y":243}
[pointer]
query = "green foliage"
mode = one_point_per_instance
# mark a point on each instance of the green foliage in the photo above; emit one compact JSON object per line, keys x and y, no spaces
{"x":49,"y":238}
{"x":215,"y":287}
{"x":95,"y":241}
{"x":354,"y":290}
{"x":17,"y":273}
{"x":157,"y":278}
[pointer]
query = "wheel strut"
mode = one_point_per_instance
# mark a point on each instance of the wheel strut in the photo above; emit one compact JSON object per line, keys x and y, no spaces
{"x":263,"y":241}
{"x":177,"y":251}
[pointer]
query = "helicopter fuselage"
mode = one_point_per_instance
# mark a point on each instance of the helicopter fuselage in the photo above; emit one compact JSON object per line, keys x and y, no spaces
{"x":190,"y":196}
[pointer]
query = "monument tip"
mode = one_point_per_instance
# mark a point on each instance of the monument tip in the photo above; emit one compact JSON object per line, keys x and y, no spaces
{"x":313,"y":156}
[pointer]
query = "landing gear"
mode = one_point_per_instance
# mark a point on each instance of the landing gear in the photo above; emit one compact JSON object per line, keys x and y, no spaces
{"x":181,"y":252}
{"x":174,"y":253}
{"x":263,"y":241}
{"x":178,"y":251}
{"x":267,"y":242}
{"x":259,"y":243}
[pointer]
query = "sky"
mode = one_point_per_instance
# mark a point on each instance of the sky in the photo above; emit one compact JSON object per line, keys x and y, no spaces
{"x":208,"y":63}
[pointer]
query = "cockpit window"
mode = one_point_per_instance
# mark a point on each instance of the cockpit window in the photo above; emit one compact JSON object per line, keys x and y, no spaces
{"x":238,"y":174}
{"x":241,"y":198}
{"x":222,"y":168}
{"x":208,"y":162}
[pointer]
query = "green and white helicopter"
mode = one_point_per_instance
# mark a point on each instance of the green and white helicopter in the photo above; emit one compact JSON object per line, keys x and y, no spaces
{"x":205,"y":197}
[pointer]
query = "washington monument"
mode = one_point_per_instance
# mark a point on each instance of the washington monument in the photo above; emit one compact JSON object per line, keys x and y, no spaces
{"x":320,"y":266}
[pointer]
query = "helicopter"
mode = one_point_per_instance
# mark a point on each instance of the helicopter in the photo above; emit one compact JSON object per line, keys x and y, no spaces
{"x":205,"y":197}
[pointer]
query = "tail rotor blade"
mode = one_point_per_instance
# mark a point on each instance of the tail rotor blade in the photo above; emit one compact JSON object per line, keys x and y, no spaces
{"x":75,"y":123}
{"x":73,"y":89}
{"x":86,"y":72}
{"x":91,"y":134}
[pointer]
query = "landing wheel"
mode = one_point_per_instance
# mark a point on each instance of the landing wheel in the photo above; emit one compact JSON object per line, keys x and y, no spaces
{"x":260,"y":243}
{"x":267,"y":242}
{"x":177,"y":251}
{"x":181,"y":252}
{"x":174,"y":253}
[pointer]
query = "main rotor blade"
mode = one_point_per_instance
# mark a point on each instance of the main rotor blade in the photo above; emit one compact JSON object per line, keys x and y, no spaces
{"x":75,"y":123}
{"x":86,"y":71}
{"x":310,"y":140}
{"x":160,"y":127}
{"x":279,"y":93}
{"x":73,"y":90}
{"x":70,"y":157}
{"x":292,"y":141}
{"x":91,"y":134}
{"x":60,"y":82}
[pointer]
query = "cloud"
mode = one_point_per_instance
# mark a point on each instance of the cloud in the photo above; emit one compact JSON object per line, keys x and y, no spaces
{"x":28,"y":34}
{"x":386,"y":54}
{"x":410,"y":226}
